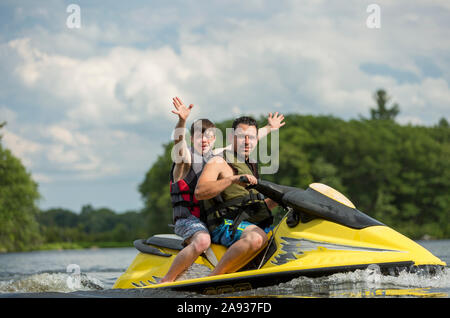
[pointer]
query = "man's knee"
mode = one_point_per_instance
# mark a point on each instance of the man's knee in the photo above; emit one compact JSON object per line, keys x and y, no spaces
{"x":255,"y":237}
{"x":201,"y":241}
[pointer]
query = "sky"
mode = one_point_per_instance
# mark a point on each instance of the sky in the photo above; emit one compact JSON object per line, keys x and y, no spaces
{"x":87,"y":94}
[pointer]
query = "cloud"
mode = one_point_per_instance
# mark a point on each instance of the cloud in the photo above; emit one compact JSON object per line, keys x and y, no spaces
{"x":314,"y":58}
{"x":7,"y":114}
{"x":428,"y":100}
{"x":126,"y":85}
{"x":65,"y":136}
{"x":94,"y":103}
{"x":21,"y":147}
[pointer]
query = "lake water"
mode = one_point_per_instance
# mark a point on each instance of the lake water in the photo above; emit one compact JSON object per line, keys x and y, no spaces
{"x":50,"y":273}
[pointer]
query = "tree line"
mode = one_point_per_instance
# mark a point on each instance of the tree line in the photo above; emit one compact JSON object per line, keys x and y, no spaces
{"x":92,"y":226}
{"x":398,"y":174}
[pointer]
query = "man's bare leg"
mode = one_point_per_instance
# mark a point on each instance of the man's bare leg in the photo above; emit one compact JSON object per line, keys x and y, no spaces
{"x":253,"y":239}
{"x":199,"y":242}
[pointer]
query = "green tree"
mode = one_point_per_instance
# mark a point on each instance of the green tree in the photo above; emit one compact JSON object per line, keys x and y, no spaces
{"x":155,"y":193}
{"x":18,"y":196}
{"x":397,"y":174}
{"x":92,"y":225}
{"x":443,"y":123}
{"x":382,"y":111}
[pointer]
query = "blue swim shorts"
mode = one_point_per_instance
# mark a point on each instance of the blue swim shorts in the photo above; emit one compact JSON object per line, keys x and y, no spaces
{"x":222,"y":233}
{"x":187,"y":227}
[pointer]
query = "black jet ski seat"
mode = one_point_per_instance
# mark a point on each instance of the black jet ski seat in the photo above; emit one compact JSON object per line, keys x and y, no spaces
{"x":170,"y":241}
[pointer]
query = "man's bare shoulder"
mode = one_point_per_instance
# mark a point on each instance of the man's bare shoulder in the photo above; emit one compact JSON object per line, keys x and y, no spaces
{"x":219,"y":165}
{"x":216,"y":160}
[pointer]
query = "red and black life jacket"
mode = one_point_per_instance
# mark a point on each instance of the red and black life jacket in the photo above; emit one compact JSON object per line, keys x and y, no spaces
{"x":184,"y":202}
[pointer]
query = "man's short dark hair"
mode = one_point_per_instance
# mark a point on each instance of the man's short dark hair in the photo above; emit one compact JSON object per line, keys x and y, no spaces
{"x":205,"y":125}
{"x":244,"y":120}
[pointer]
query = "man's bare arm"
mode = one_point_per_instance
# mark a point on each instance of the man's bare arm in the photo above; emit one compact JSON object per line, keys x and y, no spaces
{"x":180,"y":132}
{"x":209,"y":185}
{"x":270,"y":203}
{"x":275,"y":122}
{"x":181,"y":151}
{"x":214,"y":180}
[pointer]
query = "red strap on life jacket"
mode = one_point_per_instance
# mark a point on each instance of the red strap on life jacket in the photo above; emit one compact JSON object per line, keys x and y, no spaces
{"x":186,"y":190}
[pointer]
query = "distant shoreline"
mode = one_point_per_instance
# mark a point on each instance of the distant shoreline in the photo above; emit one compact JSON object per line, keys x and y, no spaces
{"x":73,"y":246}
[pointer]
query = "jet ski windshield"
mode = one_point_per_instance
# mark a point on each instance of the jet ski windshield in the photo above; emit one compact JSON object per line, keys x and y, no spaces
{"x":316,"y":204}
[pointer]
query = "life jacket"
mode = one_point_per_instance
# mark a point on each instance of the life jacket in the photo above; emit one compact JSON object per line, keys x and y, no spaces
{"x":184,"y":202}
{"x":236,"y":202}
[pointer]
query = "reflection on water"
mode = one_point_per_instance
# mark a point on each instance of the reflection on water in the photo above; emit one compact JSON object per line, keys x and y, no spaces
{"x":360,"y":283}
{"x":92,"y":273}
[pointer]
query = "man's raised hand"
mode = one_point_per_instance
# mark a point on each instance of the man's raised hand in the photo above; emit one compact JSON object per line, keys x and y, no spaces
{"x":181,"y":110}
{"x":275,"y":121}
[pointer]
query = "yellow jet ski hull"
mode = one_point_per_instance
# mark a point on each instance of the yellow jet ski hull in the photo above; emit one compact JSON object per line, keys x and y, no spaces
{"x":322,"y":234}
{"x":315,"y":248}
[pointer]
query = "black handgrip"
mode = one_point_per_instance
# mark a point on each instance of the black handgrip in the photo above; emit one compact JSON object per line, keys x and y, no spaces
{"x":244,"y":179}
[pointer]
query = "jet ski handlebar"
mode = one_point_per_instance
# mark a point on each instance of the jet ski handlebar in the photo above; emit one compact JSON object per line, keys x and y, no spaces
{"x":269,"y":189}
{"x":313,"y":203}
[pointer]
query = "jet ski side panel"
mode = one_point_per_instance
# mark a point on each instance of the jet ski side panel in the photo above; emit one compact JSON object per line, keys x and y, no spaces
{"x":320,"y":243}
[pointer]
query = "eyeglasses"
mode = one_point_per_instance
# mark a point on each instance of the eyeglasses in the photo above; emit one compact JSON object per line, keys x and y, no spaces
{"x":208,"y":136}
{"x":242,"y":137}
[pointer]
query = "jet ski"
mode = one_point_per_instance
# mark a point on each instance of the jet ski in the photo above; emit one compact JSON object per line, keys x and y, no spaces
{"x":322,"y":233}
